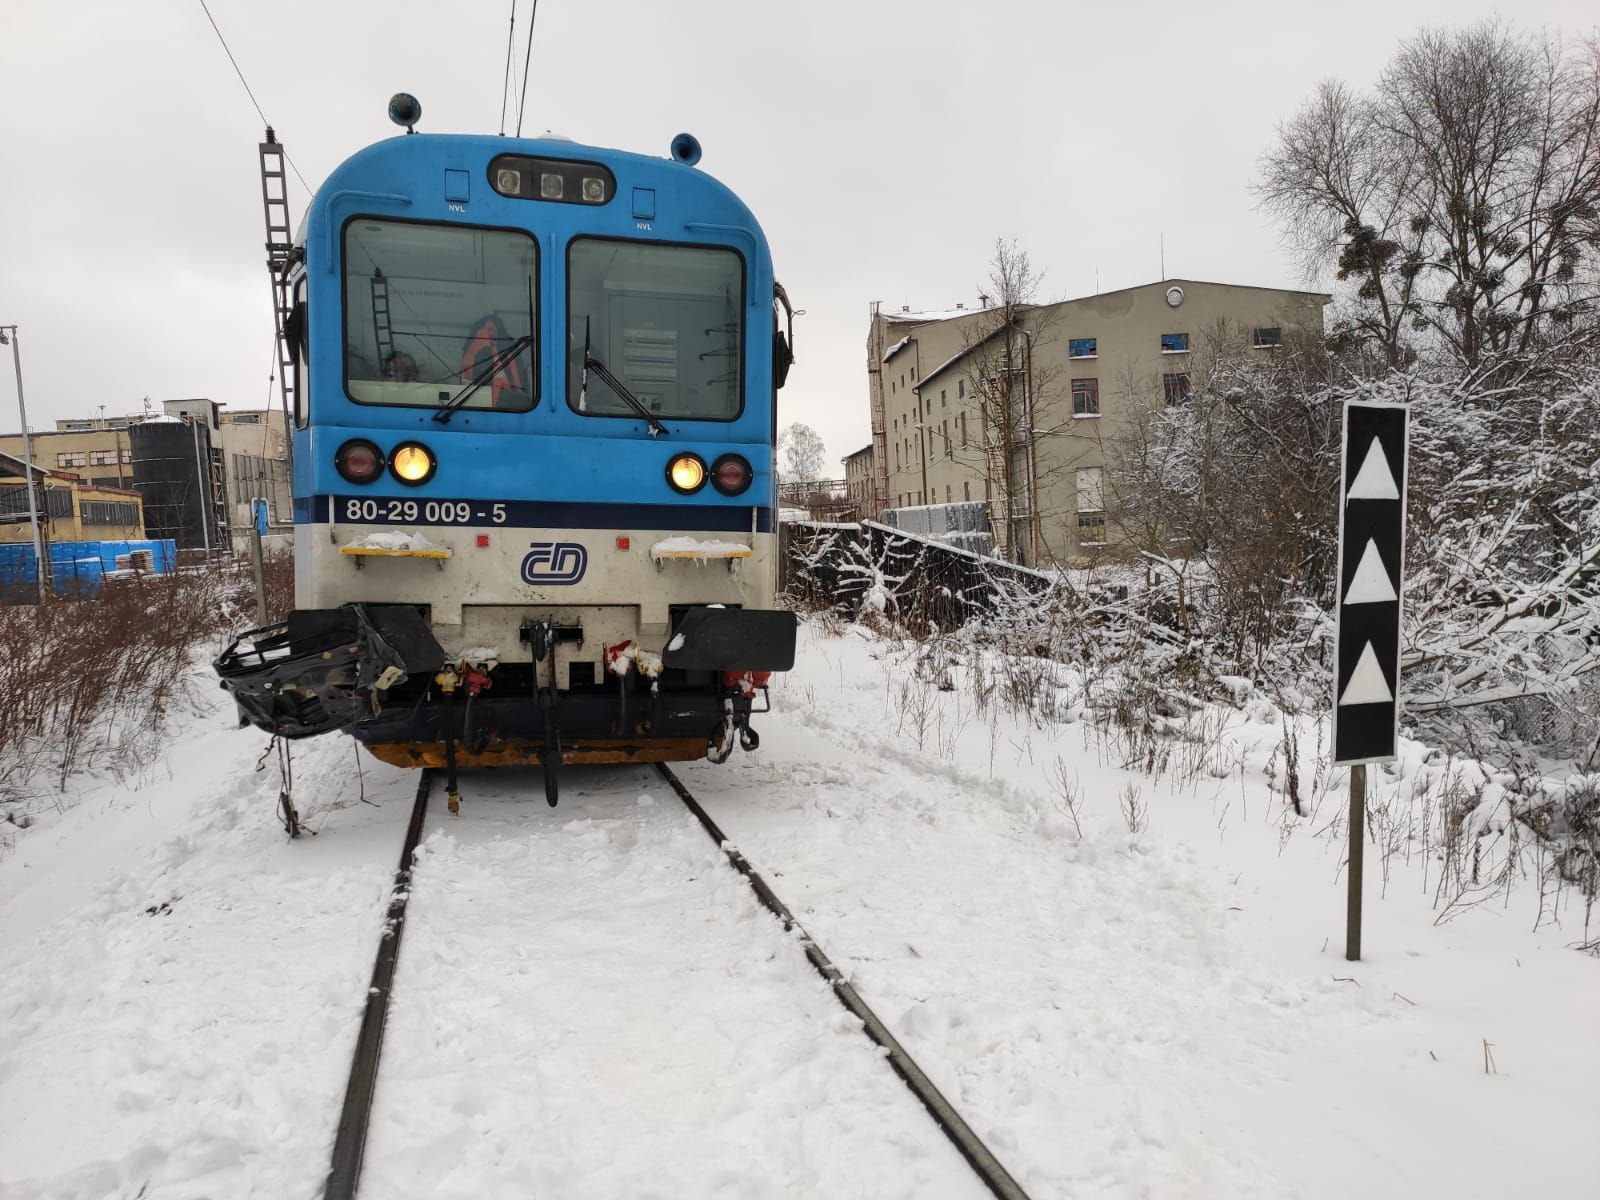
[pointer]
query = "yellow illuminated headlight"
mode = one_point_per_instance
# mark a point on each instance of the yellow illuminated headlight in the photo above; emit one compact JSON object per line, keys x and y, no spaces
{"x":412,"y":463}
{"x":687,"y":473}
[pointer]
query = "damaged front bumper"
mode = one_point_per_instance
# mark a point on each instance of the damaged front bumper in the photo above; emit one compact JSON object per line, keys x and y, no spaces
{"x":325,"y":670}
{"x":321,"y":670}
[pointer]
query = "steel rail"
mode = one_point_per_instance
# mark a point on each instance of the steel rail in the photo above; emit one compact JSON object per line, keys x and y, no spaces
{"x":979,"y":1156}
{"x":351,"y":1142}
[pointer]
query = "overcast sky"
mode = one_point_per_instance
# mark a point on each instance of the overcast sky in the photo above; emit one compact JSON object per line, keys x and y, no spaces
{"x":884,"y":147}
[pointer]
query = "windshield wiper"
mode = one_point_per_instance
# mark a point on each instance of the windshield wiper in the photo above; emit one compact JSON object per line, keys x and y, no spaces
{"x":490,"y":369}
{"x":591,"y":363}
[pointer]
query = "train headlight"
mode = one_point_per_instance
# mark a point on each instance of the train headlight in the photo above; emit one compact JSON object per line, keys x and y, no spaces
{"x":594,"y":190}
{"x":359,"y":461}
{"x":687,"y":473}
{"x":412,"y":463}
{"x":730,"y":474}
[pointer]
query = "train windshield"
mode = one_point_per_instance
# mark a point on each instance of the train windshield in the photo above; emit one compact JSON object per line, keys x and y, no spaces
{"x":438,"y":315}
{"x":667,"y":321}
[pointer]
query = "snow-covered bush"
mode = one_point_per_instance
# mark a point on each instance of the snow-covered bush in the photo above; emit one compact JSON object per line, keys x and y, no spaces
{"x":1230,"y":505}
{"x":92,"y":683}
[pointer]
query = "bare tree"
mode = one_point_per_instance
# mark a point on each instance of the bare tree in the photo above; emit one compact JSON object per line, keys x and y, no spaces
{"x":1460,"y":201}
{"x":1018,"y":401}
{"x":1234,"y":479}
{"x":803,"y":452}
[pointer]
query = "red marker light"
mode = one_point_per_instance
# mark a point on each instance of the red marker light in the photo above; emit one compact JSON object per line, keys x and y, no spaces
{"x":483,"y":540}
{"x":731,"y":474}
{"x":624,"y":543}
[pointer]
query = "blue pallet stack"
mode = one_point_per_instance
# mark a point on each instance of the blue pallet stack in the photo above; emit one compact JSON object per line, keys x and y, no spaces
{"x":77,"y":568}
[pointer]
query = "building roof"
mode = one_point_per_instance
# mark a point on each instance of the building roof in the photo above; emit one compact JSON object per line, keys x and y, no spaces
{"x":955,"y":358}
{"x":88,"y":485}
{"x":939,"y":314}
{"x":867,"y":449}
{"x":10,"y":464}
{"x":1325,"y":297}
{"x":934,"y":316}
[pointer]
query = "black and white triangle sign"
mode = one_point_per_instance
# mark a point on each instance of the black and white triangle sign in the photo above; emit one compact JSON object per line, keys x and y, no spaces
{"x":1371,"y":557}
{"x":1374,"y":481}
{"x":1371,"y":583}
{"x":1367,"y":684}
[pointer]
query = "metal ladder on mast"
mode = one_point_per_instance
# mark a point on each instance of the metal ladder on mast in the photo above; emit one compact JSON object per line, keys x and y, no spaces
{"x":280,"y":254}
{"x":382,"y":327}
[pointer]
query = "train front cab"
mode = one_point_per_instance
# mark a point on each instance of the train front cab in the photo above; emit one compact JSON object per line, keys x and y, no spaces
{"x":535,"y":501}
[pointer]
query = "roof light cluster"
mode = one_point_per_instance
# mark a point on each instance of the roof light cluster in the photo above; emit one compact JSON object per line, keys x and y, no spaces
{"x":549,"y":179}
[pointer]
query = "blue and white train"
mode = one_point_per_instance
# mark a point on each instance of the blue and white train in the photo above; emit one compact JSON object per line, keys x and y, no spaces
{"x":535,"y":403}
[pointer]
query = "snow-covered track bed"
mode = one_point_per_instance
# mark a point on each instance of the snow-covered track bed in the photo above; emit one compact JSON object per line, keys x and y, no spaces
{"x":596,"y":1004}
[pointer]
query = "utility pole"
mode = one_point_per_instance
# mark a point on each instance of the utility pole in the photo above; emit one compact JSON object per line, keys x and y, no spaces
{"x":8,"y":333}
{"x":258,"y":525}
{"x":205,"y":490}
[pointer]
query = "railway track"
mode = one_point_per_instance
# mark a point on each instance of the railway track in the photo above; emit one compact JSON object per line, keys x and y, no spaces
{"x":355,"y":1117}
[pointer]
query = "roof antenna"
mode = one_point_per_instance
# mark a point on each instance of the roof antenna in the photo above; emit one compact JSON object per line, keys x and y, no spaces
{"x":1163,"y":254}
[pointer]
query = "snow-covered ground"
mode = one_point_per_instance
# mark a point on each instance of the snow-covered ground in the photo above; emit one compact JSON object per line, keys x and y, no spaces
{"x":590,"y":1003}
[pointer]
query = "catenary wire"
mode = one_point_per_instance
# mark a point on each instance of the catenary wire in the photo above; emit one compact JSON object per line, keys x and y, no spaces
{"x":250,"y":93}
{"x":526,"y":57}
{"x":505,"y":88}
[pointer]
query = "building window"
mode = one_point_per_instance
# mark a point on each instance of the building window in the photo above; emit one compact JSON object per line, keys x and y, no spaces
{"x":72,"y":458}
{"x":1083,"y":348}
{"x":102,"y":512}
{"x":895,"y":423}
{"x":962,"y":421}
{"x":949,"y":450}
{"x":891,"y":387}
{"x":1091,"y":506}
{"x":947,"y":493}
{"x":941,"y":397}
{"x":897,"y":456}
{"x":1175,"y":388}
{"x":127,"y":456}
{"x":966,"y":489}
{"x":961,"y":388}
{"x":102,"y":458}
{"x":1266,"y":337}
{"x":1174,"y":343}
{"x":1086,"y":397}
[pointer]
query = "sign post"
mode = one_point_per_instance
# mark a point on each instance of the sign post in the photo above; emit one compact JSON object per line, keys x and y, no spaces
{"x":258,"y":526}
{"x":1366,"y":706}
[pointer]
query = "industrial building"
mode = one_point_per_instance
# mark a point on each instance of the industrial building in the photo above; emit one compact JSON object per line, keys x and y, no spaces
{"x":1076,"y":374}
{"x":70,"y":509}
{"x":195,"y":468}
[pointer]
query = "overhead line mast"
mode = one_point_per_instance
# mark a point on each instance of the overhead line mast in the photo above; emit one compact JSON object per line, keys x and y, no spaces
{"x":280,"y":256}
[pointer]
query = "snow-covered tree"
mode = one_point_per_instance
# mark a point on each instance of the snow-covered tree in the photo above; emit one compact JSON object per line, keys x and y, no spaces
{"x":804,"y":455}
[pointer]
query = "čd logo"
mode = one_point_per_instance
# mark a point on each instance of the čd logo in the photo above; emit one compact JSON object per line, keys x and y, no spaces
{"x":554,"y":563}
